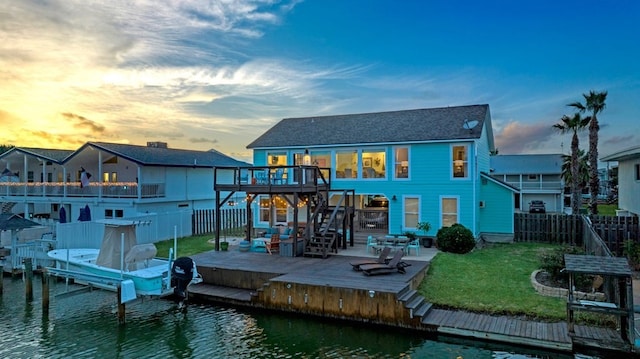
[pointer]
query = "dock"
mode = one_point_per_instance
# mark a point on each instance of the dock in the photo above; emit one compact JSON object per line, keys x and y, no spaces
{"x":330,"y":288}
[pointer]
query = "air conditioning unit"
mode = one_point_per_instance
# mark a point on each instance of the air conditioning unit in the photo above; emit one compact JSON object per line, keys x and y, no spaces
{"x":481,"y":204}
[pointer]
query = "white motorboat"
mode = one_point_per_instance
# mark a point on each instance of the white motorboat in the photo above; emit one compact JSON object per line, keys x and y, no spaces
{"x":121,"y":260}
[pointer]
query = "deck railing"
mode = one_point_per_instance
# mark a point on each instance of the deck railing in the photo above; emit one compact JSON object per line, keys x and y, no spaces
{"x":74,"y":189}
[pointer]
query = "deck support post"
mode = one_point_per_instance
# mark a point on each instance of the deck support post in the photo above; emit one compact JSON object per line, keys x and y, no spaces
{"x":121,"y":306}
{"x":28,"y":268}
{"x":45,"y":293}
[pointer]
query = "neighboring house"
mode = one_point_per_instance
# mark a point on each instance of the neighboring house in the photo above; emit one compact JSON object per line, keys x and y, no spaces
{"x":628,"y":179}
{"x":538,"y":177}
{"x":118,"y":181}
{"x":431,"y":165}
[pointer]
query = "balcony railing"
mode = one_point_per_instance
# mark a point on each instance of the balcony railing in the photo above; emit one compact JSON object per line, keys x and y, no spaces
{"x":74,"y":189}
{"x":545,"y":185}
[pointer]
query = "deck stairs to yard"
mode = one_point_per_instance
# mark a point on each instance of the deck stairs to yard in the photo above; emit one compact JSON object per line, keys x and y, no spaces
{"x":416,"y":304}
{"x":326,"y":223}
{"x":6,"y":207}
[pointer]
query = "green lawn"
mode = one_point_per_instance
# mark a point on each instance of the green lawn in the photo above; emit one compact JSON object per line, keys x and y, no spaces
{"x":186,"y":246}
{"x":492,"y":280}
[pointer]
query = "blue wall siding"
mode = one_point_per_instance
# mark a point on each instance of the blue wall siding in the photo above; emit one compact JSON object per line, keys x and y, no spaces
{"x":497,"y":215}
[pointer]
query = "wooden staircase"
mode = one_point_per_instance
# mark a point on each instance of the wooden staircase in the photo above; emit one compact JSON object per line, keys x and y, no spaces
{"x":326,"y":224}
{"x":6,"y":207}
{"x":416,"y":304}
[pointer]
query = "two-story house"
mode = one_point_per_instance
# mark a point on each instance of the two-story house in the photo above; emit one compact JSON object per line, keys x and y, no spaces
{"x":426,"y":165}
{"x":537,"y":176}
{"x":628,"y":180}
{"x":113,"y":180}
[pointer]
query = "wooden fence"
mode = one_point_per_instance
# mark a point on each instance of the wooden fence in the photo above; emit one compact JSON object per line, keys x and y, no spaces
{"x":548,"y":228}
{"x":232,"y":221}
{"x":613,"y":231}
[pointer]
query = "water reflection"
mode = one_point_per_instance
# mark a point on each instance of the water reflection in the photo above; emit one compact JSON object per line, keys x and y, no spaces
{"x":85,"y":326}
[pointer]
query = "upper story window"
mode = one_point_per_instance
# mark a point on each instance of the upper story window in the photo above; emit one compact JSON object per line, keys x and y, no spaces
{"x":401,"y":162}
{"x":374,"y":164}
{"x":321,"y":159}
{"x":277,"y":159}
{"x":460,"y":164}
{"x":347,"y":164}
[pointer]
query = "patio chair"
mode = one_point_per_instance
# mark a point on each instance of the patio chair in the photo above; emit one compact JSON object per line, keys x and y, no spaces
{"x":394,"y":265}
{"x":278,"y":176}
{"x":372,"y":242}
{"x":382,"y":259}
{"x":414,"y":244}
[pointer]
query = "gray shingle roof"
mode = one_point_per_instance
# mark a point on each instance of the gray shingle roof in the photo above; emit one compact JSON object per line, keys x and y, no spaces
{"x":422,"y":125}
{"x":526,"y":164}
{"x":57,"y":156}
{"x":154,"y":156}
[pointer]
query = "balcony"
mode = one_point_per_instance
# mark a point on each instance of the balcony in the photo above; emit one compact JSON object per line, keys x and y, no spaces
{"x":73,"y":189}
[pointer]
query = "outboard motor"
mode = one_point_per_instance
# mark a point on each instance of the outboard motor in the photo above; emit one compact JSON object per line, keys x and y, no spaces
{"x":181,"y":275}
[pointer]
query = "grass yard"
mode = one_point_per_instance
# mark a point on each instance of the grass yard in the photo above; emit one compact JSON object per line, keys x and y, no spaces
{"x":187,"y":246}
{"x":492,"y":280}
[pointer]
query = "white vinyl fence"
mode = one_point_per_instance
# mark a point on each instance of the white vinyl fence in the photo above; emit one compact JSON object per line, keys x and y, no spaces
{"x":153,"y":227}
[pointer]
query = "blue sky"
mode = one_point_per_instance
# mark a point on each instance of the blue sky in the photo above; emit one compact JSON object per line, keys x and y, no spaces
{"x":217,"y":74}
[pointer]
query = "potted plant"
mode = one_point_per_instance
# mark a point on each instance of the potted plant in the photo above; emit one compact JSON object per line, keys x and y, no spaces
{"x":427,"y":241}
{"x":224,"y":245}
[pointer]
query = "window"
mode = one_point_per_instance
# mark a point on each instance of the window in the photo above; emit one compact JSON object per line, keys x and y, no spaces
{"x":30,"y":176}
{"x":460,"y":165}
{"x":533,"y":177}
{"x":347,"y":164}
{"x":322,"y":160}
{"x":277,"y":159}
{"x":281,"y":210}
{"x":401,"y":160}
{"x":110,"y":213}
{"x":449,"y":210}
{"x":374,"y":164}
{"x":637,"y":167}
{"x":411,"y":212}
{"x":265,"y":206}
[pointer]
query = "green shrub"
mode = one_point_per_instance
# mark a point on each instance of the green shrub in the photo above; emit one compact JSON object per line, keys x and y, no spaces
{"x":455,"y":239}
{"x":552,"y":262}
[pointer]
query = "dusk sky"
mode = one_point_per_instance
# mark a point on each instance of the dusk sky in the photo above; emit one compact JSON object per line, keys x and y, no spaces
{"x":217,"y":74}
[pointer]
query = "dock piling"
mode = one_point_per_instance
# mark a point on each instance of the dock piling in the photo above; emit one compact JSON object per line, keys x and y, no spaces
{"x":28,"y":268}
{"x":45,"y":293}
{"x":121,"y":306}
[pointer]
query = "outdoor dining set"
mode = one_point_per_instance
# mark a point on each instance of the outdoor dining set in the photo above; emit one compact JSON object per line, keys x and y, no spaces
{"x":395,"y":242}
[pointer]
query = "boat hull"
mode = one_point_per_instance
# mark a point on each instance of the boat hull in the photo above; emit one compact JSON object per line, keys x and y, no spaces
{"x":151,"y":278}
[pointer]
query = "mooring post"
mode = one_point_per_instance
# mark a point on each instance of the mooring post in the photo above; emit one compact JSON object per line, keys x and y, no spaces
{"x":29,"y":279}
{"x":121,"y":307}
{"x":45,"y":292}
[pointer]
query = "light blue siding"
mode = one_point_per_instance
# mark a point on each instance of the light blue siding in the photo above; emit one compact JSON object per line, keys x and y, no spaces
{"x":497,"y":214}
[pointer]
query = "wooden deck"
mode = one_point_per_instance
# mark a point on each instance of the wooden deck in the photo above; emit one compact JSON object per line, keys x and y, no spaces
{"x":331,"y":288}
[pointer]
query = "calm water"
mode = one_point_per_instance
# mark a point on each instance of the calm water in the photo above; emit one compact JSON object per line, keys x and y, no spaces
{"x":85,"y":326}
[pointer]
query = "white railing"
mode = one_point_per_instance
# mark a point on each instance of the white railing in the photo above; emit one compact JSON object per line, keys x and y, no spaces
{"x":73,"y":189}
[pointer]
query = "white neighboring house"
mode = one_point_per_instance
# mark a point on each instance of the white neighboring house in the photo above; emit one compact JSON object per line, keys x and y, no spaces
{"x":125,"y":181}
{"x":628,"y":179}
{"x":538,"y":176}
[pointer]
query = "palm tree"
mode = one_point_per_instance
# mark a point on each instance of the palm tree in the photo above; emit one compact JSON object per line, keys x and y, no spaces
{"x":573,"y":125}
{"x":583,"y":169}
{"x":594,"y":102}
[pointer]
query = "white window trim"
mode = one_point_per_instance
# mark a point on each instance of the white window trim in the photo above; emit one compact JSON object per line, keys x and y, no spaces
{"x":457,"y":208}
{"x":450,"y":161}
{"x":394,"y":163}
{"x":404,"y":198}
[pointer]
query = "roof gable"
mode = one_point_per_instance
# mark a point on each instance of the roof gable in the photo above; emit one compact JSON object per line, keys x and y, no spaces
{"x":624,"y":155}
{"x":422,"y":125}
{"x":53,"y":155}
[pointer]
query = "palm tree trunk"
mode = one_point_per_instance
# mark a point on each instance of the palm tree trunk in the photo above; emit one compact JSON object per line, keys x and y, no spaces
{"x":594,"y":181}
{"x":575,"y":178}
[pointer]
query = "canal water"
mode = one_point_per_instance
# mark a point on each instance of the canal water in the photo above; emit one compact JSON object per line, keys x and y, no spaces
{"x":85,"y":326}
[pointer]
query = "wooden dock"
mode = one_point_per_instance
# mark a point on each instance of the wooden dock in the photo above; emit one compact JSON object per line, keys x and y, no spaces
{"x":330,"y":288}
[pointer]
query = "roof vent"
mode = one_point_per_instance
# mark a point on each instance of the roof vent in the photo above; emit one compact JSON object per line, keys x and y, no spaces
{"x":157,"y":144}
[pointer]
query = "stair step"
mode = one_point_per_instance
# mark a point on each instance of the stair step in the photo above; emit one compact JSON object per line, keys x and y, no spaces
{"x":415,"y":302}
{"x":405,"y":297}
{"x":423,"y":309}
